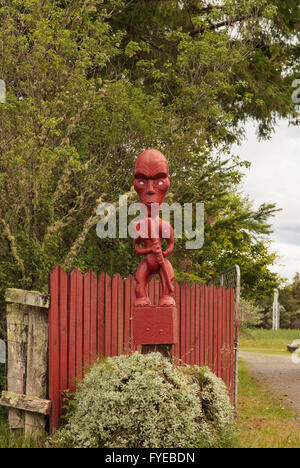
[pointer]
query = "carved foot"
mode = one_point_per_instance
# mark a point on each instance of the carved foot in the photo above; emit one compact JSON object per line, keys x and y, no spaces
{"x":142,"y":301}
{"x":167,"y":300}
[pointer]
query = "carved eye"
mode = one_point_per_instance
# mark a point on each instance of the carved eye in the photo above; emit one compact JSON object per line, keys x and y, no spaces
{"x":142,"y":182}
{"x":160,"y":182}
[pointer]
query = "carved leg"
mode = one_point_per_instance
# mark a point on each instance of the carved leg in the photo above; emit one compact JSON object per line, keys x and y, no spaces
{"x":167,"y":298}
{"x":141,"y":277}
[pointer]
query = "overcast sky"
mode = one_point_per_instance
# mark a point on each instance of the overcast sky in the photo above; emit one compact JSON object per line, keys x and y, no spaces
{"x":274,"y":177}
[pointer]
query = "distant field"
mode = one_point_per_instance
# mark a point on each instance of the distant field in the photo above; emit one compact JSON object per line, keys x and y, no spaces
{"x":268,"y":341}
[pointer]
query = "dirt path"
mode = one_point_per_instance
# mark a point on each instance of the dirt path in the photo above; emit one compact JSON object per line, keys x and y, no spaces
{"x":277,"y":372}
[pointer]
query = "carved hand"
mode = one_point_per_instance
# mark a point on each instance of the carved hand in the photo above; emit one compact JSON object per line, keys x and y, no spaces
{"x":157,"y":250}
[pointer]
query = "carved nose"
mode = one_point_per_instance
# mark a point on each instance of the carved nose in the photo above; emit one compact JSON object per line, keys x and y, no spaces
{"x":150,"y":188}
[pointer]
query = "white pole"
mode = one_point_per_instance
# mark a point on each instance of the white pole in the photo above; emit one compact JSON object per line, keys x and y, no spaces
{"x":276,"y":310}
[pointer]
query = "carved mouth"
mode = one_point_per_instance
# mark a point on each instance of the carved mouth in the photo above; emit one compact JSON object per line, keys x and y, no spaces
{"x":151,"y":201}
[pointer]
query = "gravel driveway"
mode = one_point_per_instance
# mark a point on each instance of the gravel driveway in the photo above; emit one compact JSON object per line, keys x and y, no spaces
{"x":277,"y":372}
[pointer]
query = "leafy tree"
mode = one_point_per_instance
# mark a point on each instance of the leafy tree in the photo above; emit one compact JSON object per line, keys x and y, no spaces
{"x":267,"y":318}
{"x":92,"y":83}
{"x":250,"y":315}
{"x":289,"y":297}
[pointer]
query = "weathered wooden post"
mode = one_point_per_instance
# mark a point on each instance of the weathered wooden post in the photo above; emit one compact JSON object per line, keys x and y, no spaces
{"x":17,"y":332}
{"x":154,"y":327}
{"x":27,"y":348}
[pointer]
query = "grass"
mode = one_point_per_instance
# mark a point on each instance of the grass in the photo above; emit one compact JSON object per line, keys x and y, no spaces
{"x":263,"y":422}
{"x":267,"y":341}
{"x":17,"y":440}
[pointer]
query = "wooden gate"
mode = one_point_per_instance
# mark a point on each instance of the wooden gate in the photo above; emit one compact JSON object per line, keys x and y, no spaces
{"x":90,"y":316}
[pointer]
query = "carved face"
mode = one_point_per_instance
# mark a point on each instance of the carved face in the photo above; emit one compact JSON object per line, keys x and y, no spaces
{"x":151,"y":177}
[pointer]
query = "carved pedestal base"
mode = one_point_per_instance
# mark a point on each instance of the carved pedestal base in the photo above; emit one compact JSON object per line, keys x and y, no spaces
{"x":155,"y":325}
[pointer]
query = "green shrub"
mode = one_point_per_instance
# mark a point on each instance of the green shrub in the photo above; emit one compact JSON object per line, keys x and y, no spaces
{"x":145,"y":401}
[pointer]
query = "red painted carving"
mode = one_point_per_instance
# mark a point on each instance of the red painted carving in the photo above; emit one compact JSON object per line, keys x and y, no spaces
{"x":151,"y":182}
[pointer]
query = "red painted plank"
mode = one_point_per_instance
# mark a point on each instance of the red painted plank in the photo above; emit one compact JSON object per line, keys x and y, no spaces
{"x":114,"y":315}
{"x":223,"y":336}
{"x":202,"y":326}
{"x":120,"y":315}
{"x":127,"y":305}
{"x":54,"y":347}
{"x":197,"y":325}
{"x":175,"y":348}
{"x":188,"y":324}
{"x":132,"y":299}
{"x":206,"y":326}
{"x":72,"y":331}
{"x":107,"y":315}
{"x":219,"y":331}
{"x":87,"y":319}
{"x":100,"y":306}
{"x":215,"y":329}
{"x":182,"y":322}
{"x":93,"y":328}
{"x":211,"y":326}
{"x":193,"y":318}
{"x":64,"y":331}
{"x":79,"y":325}
{"x":227,"y":341}
{"x":229,"y":335}
{"x":232,"y":342}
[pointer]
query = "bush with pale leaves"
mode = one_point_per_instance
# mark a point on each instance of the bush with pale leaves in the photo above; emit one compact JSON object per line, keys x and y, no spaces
{"x":145,"y":401}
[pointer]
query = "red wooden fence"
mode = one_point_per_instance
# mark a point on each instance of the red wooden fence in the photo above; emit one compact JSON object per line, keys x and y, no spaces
{"x":91,"y":316}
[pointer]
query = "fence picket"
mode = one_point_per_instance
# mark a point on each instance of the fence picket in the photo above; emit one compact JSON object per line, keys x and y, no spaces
{"x":127,"y":309}
{"x":231,"y":338}
{"x":120,"y":316}
{"x":93,"y":326}
{"x":108,"y":327}
{"x":87,"y":318}
{"x":215,"y":329}
{"x":54,"y":390}
{"x":183,"y":322}
{"x":72,"y":331}
{"x":192,"y":321}
{"x":197,"y":325}
{"x":176,"y":347}
{"x":100,"y":320}
{"x":114,"y":315}
{"x":63,"y":329}
{"x":188,"y":324}
{"x":202,"y":327}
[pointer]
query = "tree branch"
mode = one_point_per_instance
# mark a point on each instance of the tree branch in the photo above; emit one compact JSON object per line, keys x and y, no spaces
{"x":14,"y":251}
{"x":91,"y":222}
{"x":215,"y":26}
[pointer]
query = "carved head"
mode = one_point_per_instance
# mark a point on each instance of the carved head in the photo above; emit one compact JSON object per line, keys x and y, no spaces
{"x":151,"y":177}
